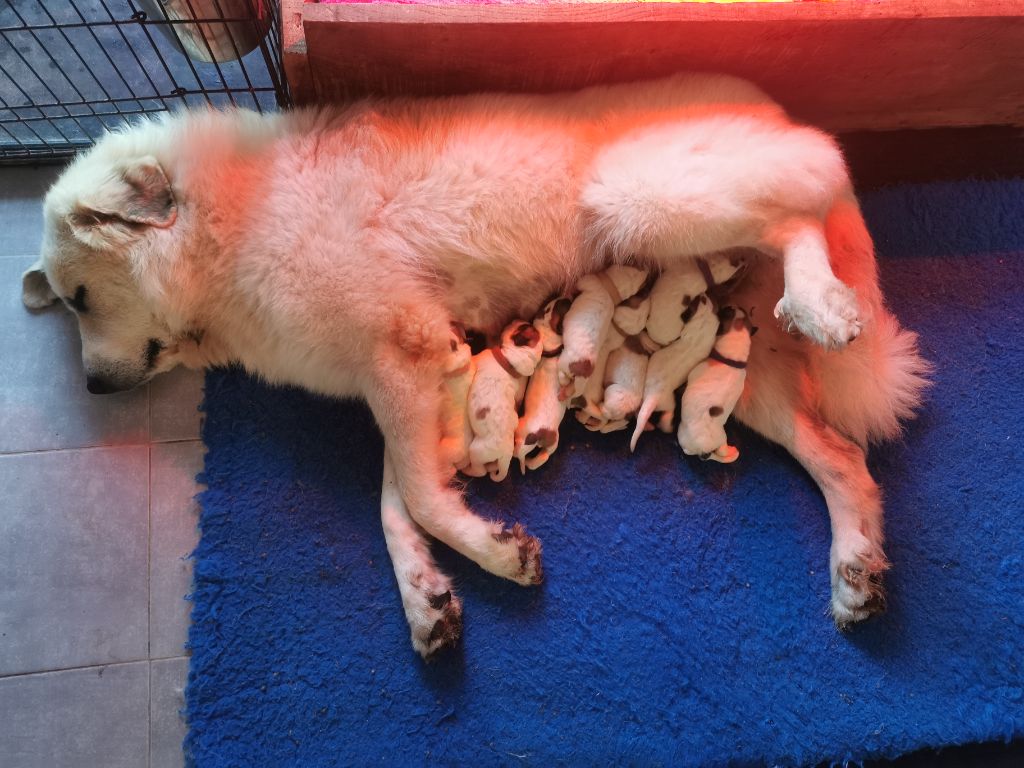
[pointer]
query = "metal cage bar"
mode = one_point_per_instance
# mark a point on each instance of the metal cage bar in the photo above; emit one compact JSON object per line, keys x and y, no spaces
{"x":73,"y":70}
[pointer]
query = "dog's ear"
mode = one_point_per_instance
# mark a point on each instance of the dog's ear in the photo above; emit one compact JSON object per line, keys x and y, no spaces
{"x":525,"y":336}
{"x":558,"y":313}
{"x":36,"y":292}
{"x":121,"y":205}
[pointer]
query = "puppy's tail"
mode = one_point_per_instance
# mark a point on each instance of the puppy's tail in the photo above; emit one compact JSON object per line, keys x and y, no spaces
{"x":873,"y":385}
{"x":642,"y":417}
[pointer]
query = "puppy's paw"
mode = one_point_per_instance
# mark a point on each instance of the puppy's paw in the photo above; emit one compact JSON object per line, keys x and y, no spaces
{"x":828,"y":316}
{"x":436,"y":623}
{"x":857,"y":591}
{"x":521,"y":556}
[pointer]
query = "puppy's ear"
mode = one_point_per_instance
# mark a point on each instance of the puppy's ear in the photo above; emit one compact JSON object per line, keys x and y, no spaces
{"x":558,"y":313}
{"x":525,"y":336}
{"x":121,"y":205}
{"x":35,"y":288}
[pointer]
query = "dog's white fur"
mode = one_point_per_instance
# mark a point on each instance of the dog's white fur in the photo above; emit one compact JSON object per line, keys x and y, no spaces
{"x":712,"y":389}
{"x":331,"y":248}
{"x":494,"y":398}
{"x":456,"y":430}
{"x":670,"y":365}
{"x":537,"y":433}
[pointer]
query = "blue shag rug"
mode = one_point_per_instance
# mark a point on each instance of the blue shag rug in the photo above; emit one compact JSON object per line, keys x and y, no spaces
{"x":683,"y":621}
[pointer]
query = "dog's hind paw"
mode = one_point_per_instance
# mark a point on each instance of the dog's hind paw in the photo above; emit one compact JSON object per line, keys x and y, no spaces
{"x":522,"y":555}
{"x":857,"y":590}
{"x":829,"y":316}
{"x":437,"y":625}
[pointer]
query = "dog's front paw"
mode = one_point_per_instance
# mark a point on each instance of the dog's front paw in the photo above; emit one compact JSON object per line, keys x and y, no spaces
{"x":523,"y":563}
{"x":857,"y":591}
{"x":436,"y":624}
{"x":829,"y":316}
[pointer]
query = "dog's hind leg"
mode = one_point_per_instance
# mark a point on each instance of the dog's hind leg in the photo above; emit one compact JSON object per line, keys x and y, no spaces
{"x":404,"y":400}
{"x":776,"y":405}
{"x":433,"y":611}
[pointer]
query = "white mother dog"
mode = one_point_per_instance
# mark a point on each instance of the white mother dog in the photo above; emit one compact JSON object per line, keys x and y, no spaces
{"x":330,"y":248}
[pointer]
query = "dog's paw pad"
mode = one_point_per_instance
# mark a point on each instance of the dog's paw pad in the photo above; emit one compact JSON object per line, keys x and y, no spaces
{"x":440,"y":625}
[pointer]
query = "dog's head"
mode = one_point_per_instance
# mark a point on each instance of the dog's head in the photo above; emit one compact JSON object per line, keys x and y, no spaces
{"x":549,"y":321}
{"x":104,"y":219}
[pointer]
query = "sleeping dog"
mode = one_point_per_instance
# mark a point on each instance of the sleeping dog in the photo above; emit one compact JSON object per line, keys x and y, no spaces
{"x":330,"y":249}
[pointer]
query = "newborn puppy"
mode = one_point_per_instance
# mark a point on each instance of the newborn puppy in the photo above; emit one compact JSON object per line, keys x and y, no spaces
{"x":624,"y":384}
{"x":456,"y":431}
{"x":669,"y":366}
{"x":627,"y":321}
{"x":537,"y":434}
{"x":498,"y":387}
{"x":712,"y":389}
{"x":678,"y":285}
{"x":587,"y":322}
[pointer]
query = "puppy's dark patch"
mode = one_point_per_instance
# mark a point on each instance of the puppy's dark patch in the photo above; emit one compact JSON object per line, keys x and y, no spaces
{"x":725,"y":319}
{"x":547,"y":437}
{"x":482,"y":412}
{"x":531,"y":439}
{"x":715,"y":410}
{"x":525,"y":336}
{"x":581,"y":368}
{"x":632,"y":343}
{"x":558,"y":313}
{"x":691,"y":308}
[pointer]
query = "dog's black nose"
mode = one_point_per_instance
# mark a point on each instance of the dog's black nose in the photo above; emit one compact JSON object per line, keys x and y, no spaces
{"x":99,"y":386}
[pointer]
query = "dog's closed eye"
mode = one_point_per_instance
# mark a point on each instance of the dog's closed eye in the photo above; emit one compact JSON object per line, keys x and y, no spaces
{"x":77,"y":302}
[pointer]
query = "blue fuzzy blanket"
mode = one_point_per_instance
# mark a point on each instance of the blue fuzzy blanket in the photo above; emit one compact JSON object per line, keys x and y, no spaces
{"x":684,"y":616}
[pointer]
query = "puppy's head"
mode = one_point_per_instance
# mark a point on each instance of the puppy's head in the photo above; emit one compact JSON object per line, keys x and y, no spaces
{"x":460,"y":352}
{"x":102,"y":219}
{"x":549,"y":321}
{"x":734,"y":319}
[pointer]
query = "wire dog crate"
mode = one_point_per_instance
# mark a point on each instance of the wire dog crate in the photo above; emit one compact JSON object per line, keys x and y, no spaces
{"x":72,"y":69}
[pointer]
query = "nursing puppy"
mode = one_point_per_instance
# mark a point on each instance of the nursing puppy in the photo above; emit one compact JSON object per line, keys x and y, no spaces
{"x":713,"y":388}
{"x":456,"y":430}
{"x":537,"y":433}
{"x":587,"y":322}
{"x":499,"y":384}
{"x":670,"y":365}
{"x":330,"y":249}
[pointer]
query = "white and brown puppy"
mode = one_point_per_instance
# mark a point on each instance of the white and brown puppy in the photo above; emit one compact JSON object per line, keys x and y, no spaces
{"x":537,"y":433}
{"x":499,"y":385}
{"x":713,"y":388}
{"x":588,"y":320}
{"x":678,"y":285}
{"x":669,"y":366}
{"x":627,"y":321}
{"x":624,"y":384}
{"x":456,"y":430}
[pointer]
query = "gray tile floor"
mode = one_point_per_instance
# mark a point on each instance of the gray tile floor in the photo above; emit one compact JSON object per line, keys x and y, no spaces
{"x":97,"y":518}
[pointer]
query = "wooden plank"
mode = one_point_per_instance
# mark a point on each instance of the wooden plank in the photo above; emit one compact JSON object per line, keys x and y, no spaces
{"x":844,"y":65}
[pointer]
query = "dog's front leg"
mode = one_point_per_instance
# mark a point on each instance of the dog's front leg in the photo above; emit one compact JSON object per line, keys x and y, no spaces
{"x":433,"y":611}
{"x":404,"y":400}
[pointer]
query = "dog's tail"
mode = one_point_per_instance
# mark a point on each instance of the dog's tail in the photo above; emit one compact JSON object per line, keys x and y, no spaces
{"x":868,"y":389}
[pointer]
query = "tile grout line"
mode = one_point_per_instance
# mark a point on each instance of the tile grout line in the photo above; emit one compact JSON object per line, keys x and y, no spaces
{"x":33,"y":452}
{"x":83,"y":667}
{"x":149,"y":576}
